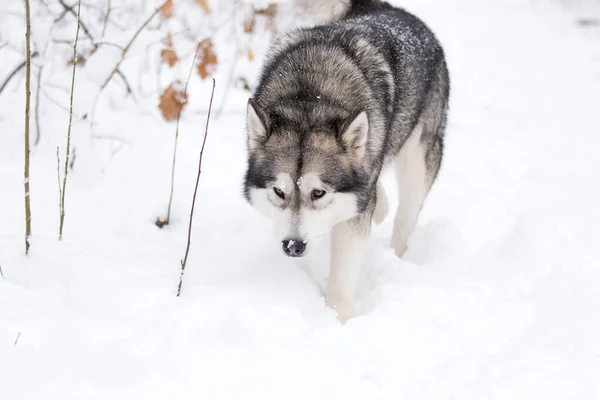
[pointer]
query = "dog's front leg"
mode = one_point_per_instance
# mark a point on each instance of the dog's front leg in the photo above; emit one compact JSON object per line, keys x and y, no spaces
{"x":349,"y":241}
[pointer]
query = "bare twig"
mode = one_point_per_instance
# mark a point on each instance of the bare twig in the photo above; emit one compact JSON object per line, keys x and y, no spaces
{"x":128,"y":46}
{"x":15,"y":71}
{"x":72,"y":164}
{"x":38,"y":130}
{"x":127,"y":86}
{"x":111,"y":137}
{"x":101,"y":42}
{"x":189,"y":237}
{"x":68,"y":9}
{"x":17,"y":339}
{"x":64,"y":183}
{"x":168,"y":219}
{"x":63,"y":14}
{"x":57,"y":103}
{"x":27,"y":106}
{"x":1,"y":273}
{"x":106,"y":18}
{"x":76,"y":14}
{"x":58,"y":176}
{"x":37,"y":106}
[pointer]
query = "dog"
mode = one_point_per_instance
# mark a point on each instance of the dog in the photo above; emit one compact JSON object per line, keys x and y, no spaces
{"x":336,"y":103}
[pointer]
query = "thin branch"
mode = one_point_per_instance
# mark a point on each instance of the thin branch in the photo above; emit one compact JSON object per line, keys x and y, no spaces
{"x":56,"y":86}
{"x":57,"y":103}
{"x":111,"y":137}
{"x":128,"y":46}
{"x":101,"y":42}
{"x":12,"y":74}
{"x":17,"y":339}
{"x":73,"y":158}
{"x":1,"y":273}
{"x":38,"y":131}
{"x":15,"y":71}
{"x":106,"y":17}
{"x":64,"y":184}
{"x":127,"y":85}
{"x":64,"y":13}
{"x":69,"y":42}
{"x":166,"y":222}
{"x":76,"y":14}
{"x":96,"y":44}
{"x":58,"y":175}
{"x":27,"y":106}
{"x":189,"y":238}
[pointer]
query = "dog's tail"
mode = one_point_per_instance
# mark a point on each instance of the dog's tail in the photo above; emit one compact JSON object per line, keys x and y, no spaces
{"x":326,"y":11}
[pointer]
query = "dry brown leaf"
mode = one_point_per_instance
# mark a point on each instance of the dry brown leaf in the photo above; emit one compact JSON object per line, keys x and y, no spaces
{"x":172,"y":101}
{"x":250,"y":55}
{"x":166,"y":11}
{"x":204,"y":6}
{"x":249,"y":23}
{"x":207,"y":59}
{"x":169,"y":41}
{"x":80,"y":61}
{"x":169,"y":57}
{"x":271,"y":13}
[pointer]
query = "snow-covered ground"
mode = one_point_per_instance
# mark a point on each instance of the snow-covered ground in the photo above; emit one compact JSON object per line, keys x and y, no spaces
{"x":498,"y":296}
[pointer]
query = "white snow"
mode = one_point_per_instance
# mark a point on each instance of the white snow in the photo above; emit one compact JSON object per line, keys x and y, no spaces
{"x":498,"y":296}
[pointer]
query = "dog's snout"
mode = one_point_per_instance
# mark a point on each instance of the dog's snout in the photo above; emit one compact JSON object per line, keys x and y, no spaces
{"x":294,"y":247}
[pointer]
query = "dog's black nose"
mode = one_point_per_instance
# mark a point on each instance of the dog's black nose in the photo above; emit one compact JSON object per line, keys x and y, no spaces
{"x":293,"y":247}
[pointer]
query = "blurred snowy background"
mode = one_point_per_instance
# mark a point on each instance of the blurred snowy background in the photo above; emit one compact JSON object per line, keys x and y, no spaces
{"x":497,"y":297}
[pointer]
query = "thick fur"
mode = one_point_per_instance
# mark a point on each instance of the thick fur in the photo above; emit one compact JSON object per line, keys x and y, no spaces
{"x":334,"y":104}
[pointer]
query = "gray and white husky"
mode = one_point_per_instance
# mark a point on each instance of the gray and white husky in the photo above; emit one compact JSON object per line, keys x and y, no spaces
{"x":335,"y":104}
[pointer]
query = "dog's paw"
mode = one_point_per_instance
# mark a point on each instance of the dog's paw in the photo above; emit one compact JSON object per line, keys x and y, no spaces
{"x":400,"y":250}
{"x":341,"y":305}
{"x":399,"y":245}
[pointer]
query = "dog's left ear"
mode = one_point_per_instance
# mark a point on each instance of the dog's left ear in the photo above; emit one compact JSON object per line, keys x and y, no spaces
{"x":257,"y":124}
{"x":355,"y":136}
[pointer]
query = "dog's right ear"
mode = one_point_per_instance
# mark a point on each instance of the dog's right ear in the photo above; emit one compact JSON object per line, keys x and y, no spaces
{"x":257,"y":124}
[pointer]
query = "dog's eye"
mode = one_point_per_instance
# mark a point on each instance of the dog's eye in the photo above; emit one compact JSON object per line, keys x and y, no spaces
{"x":279,"y":193}
{"x":317,"y":194}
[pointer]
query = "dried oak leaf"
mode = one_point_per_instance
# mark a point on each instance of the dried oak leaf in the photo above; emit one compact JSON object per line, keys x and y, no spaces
{"x":250,"y":55}
{"x":172,"y":101}
{"x":271,"y":13}
{"x":169,"y":40}
{"x":81,"y":60}
{"x":249,"y":23}
{"x":166,"y":11}
{"x":207,"y":59}
{"x":204,"y":6}
{"x":169,"y":57}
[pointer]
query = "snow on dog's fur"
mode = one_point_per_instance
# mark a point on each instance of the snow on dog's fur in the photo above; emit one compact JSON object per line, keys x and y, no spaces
{"x":334,"y":104}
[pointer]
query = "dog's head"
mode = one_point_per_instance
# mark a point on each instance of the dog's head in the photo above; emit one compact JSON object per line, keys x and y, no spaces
{"x":305,"y":176}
